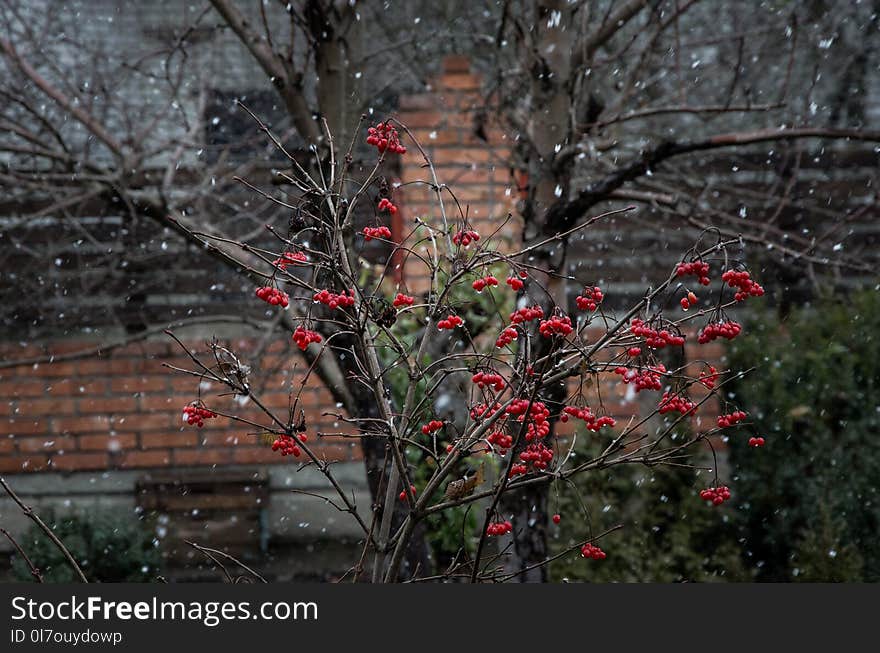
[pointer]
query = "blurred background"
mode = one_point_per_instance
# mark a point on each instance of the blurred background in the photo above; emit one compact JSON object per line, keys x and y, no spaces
{"x":752,"y":120}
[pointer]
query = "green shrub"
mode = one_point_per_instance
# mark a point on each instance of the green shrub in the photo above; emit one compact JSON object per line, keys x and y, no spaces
{"x":808,"y":501}
{"x":107,"y":548}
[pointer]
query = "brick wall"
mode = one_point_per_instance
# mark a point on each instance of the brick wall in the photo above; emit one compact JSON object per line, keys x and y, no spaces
{"x":122,"y":410}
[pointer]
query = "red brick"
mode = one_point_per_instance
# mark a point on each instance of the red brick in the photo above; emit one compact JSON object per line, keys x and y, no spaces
{"x":21,"y":388}
{"x":24,"y":425}
{"x":142,"y":422}
{"x":80,"y":461}
{"x":107,"y":442}
{"x":36,"y":445}
{"x":7,"y":444}
{"x":76,"y":387}
{"x":258,"y":456}
{"x":203,"y":456}
{"x":91,"y":424}
{"x":14,"y":464}
{"x":155,"y":458}
{"x":47,"y":406}
{"x":184,"y":438}
{"x":140,"y":384}
{"x":162,"y":402}
{"x":64,"y":369}
{"x":107,"y":405}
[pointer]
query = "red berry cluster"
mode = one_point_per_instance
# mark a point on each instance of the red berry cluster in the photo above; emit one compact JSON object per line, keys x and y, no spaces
{"x":450,"y":322}
{"x":538,"y":416}
{"x":592,"y":422}
{"x":465,"y":237}
{"x":557,"y":518}
{"x":527,"y":314}
{"x":756,"y":441}
{"x":687,"y":302}
{"x":288,"y":445}
{"x":402,"y":495}
{"x":402,"y":300}
{"x":290,"y":258}
{"x":515,"y":283}
{"x":632,"y":352}
{"x":273,"y":296}
{"x":648,"y":379}
{"x":538,"y":455}
{"x":593,"y":552}
{"x":744,"y":284}
{"x":656,"y":339}
{"x":376,"y":232}
{"x":730,"y":419}
{"x":518,"y":470}
{"x":558,"y":325}
{"x":385,"y":137}
{"x":589,"y":299}
{"x":729,"y":330}
{"x":303,"y":337}
{"x":480,"y":284}
{"x":386,"y":204}
{"x":672,"y":403}
{"x":507,"y":336}
{"x":717,"y":495}
{"x":499,"y":528}
{"x":479,"y":410}
{"x":430,"y":427}
{"x":501,"y":440}
{"x":708,"y":378}
{"x":699,"y":269}
{"x":483,"y":379}
{"x":334,"y":300}
{"x":195,"y":414}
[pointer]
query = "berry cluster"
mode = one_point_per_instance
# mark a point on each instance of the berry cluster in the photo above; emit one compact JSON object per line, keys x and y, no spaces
{"x":744,"y":284}
{"x":656,"y":339}
{"x":480,"y":284}
{"x":592,"y":422}
{"x":527,"y":314}
{"x":273,"y":296}
{"x":589,"y":299}
{"x":729,"y":330}
{"x":518,"y":470}
{"x":717,"y":495}
{"x":376,"y":232}
{"x":479,"y":410}
{"x":556,"y":326}
{"x":494,"y":381}
{"x":303,"y":337}
{"x":402,"y":300}
{"x":632,"y":352}
{"x":450,"y":322}
{"x":709,"y":378}
{"x":756,"y":441}
{"x":538,"y":417}
{"x":515,"y":283}
{"x":195,"y":414}
{"x":288,"y":445}
{"x":501,"y":440}
{"x":430,"y":427}
{"x":699,"y":269}
{"x":687,"y":302}
{"x":499,"y":528}
{"x":386,"y":204}
{"x":334,"y":300}
{"x":385,"y":137}
{"x":538,"y":455}
{"x":402,"y":495}
{"x":465,"y":237}
{"x":673,"y":403}
{"x":507,"y":336}
{"x":724,"y":421}
{"x":593,"y":552}
{"x":290,"y":258}
{"x":557,"y":518}
{"x":648,"y":379}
